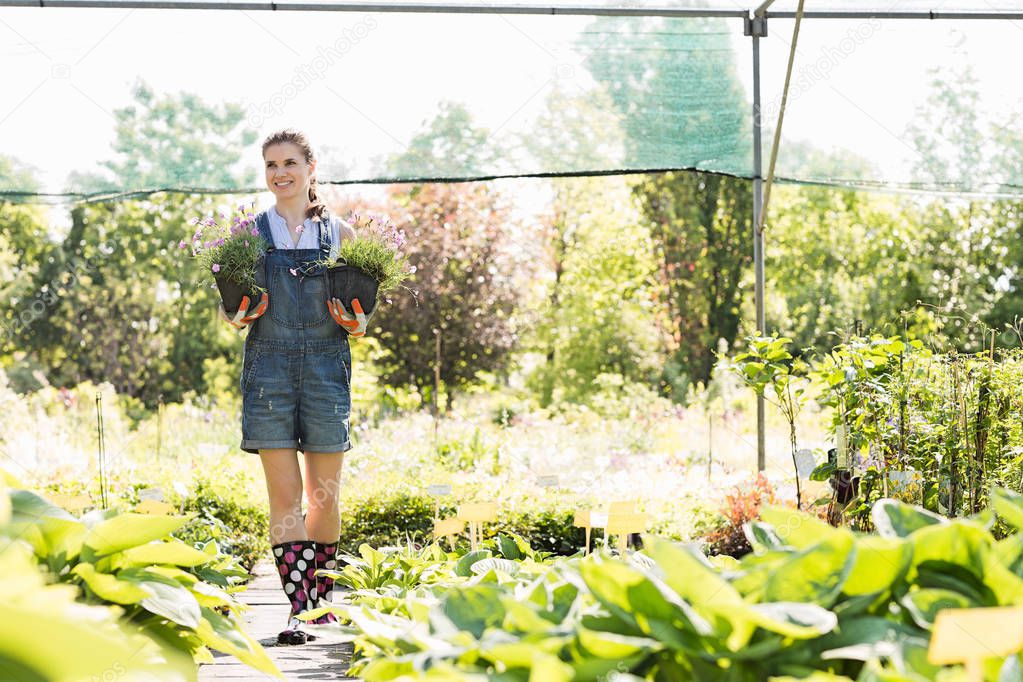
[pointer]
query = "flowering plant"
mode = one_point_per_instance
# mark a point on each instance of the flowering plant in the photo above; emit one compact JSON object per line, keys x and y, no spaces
{"x":228,"y":251}
{"x":376,"y":250}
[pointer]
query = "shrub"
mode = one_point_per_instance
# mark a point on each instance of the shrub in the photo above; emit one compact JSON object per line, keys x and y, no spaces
{"x":741,"y":506}
{"x":227,"y":514}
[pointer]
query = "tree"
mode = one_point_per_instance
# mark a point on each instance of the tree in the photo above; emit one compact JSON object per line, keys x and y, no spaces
{"x":118,"y":299}
{"x":174,"y":141}
{"x":450,"y":145}
{"x":701,"y":226}
{"x":458,"y":241}
{"x":674,"y":82}
{"x":600,"y":311}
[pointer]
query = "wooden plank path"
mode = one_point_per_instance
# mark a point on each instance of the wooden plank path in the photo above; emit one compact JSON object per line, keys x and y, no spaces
{"x":268,"y":616}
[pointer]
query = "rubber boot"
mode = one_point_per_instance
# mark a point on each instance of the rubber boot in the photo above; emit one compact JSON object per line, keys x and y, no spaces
{"x":295,"y":565}
{"x":323,"y":588}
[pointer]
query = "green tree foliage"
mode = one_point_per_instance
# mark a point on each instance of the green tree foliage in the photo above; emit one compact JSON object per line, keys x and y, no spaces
{"x":838,"y":258}
{"x":174,"y":141}
{"x":449,"y":145}
{"x":459,"y":241}
{"x":701,"y":226}
{"x":115,"y":299}
{"x":601,"y":296}
{"x":674,"y":81}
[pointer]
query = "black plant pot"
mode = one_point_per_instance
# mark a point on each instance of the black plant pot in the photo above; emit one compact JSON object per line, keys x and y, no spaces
{"x":346,"y":282}
{"x":231,"y":294}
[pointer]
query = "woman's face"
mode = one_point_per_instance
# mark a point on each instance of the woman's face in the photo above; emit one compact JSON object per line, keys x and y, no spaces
{"x":287,"y":173}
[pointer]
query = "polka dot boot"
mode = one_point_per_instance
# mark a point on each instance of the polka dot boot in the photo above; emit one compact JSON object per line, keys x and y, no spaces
{"x":295,"y":564}
{"x":323,"y":589}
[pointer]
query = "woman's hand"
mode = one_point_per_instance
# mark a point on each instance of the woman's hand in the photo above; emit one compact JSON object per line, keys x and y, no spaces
{"x":244,"y":317}
{"x":354,"y":323}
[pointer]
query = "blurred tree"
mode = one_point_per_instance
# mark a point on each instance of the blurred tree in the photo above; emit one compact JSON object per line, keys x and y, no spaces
{"x":459,"y":241}
{"x":119,"y":302}
{"x":449,"y":145}
{"x":675,"y":83}
{"x":600,"y":312}
{"x":174,"y":141}
{"x":701,"y":226}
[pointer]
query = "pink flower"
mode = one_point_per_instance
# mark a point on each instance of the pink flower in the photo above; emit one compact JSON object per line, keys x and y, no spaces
{"x":298,"y":230}
{"x":255,"y":232}
{"x":181,"y":244}
{"x":193,"y":221}
{"x":216,"y":267}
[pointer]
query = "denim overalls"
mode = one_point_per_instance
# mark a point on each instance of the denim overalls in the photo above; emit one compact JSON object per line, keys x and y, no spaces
{"x":296,"y":375}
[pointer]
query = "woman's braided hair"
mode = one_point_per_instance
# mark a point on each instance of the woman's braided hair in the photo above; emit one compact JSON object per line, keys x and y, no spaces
{"x":317,"y":209}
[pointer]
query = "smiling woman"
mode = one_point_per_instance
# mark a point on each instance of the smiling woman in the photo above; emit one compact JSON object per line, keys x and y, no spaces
{"x":296,"y":377}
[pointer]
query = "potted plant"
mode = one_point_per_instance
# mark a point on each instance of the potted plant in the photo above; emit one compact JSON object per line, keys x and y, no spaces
{"x":228,"y":252}
{"x":369,"y":265}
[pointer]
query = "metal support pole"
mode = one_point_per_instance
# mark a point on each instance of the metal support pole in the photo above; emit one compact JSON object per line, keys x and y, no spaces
{"x":756,"y":27}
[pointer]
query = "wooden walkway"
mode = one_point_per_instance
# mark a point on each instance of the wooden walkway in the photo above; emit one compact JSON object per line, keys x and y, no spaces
{"x":267,"y":617}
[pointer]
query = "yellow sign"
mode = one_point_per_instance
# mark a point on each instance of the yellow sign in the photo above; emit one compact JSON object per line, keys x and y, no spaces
{"x":478,"y":512}
{"x":71,"y":503}
{"x":154,"y":507}
{"x":971,"y":635}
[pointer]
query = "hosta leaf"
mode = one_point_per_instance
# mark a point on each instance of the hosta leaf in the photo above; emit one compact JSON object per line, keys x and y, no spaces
{"x":176,"y":553}
{"x":878,"y":564}
{"x":464,"y":565}
{"x":494,"y":564}
{"x":894,"y":519}
{"x":109,"y":587}
{"x":923,"y":605}
{"x":130,"y":530}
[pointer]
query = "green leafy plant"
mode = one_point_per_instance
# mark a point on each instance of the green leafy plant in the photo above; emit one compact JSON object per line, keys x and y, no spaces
{"x":164,"y":589}
{"x":376,"y":250}
{"x":811,"y":602}
{"x":231,"y":251}
{"x":768,"y":364}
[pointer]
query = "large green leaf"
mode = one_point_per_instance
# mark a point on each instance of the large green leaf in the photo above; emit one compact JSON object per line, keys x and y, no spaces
{"x":46,"y":635}
{"x":923,"y":605}
{"x":612,"y":645}
{"x":1009,"y":505}
{"x":799,"y":529}
{"x":51,"y":530}
{"x":464,"y":565}
{"x":474,"y":608}
{"x":879,"y":563}
{"x":166,"y":597}
{"x":815,"y":574}
{"x":227,"y":635}
{"x":894,"y":519}
{"x":130,"y":530}
{"x":110,"y":587}
{"x":175,"y":552}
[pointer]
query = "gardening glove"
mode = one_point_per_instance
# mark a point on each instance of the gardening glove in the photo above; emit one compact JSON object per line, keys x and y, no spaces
{"x":244,"y":317}
{"x":354,"y":323}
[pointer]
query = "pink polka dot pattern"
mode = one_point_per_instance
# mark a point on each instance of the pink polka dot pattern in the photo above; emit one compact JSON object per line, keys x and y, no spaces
{"x":297,"y":582}
{"x":322,"y":592}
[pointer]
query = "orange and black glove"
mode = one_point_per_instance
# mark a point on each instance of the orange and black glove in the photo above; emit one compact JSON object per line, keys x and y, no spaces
{"x":354,"y":323}
{"x":244,"y":317}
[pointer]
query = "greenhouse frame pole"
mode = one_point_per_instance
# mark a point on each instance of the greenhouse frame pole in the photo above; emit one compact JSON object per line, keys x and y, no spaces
{"x":756,"y":28}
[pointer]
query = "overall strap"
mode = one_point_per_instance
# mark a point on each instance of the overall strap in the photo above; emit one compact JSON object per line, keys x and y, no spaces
{"x":263,"y":224}
{"x":325,"y":234}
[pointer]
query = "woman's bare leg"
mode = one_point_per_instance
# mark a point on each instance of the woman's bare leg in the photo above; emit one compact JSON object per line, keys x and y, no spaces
{"x":323,"y":490}
{"x":284,"y":487}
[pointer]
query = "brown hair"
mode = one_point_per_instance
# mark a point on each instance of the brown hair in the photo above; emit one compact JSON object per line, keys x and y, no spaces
{"x":316,"y":207}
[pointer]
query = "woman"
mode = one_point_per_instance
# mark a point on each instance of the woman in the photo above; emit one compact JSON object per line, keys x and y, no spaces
{"x":296,"y":376}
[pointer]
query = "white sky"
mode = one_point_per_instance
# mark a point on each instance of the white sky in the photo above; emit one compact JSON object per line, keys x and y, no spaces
{"x":67,"y":69}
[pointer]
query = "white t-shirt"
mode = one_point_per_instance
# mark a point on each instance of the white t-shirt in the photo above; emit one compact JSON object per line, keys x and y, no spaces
{"x":310,"y":237}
